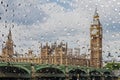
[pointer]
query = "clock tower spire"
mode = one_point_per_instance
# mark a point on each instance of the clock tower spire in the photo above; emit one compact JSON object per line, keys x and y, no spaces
{"x":96,"y":18}
{"x":96,"y":42}
{"x":8,"y":49}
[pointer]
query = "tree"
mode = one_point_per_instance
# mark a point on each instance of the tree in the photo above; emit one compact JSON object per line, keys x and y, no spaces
{"x":112,"y":66}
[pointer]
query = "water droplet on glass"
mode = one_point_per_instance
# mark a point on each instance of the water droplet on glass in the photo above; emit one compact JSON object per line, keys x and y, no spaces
{"x":1,"y":2}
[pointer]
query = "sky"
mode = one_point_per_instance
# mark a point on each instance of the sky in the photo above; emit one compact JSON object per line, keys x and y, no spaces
{"x":39,"y":21}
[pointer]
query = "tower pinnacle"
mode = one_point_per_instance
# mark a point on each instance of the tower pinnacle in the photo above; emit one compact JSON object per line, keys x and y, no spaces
{"x":10,"y":35}
{"x":96,"y":13}
{"x":8,"y":50}
{"x":96,"y":20}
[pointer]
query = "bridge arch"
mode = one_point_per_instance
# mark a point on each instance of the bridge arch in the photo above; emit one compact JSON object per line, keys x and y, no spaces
{"x":17,"y":66}
{"x":77,"y":68}
{"x":107,"y":75}
{"x":50,"y":72}
{"x":77,"y":73}
{"x":95,"y":75}
{"x":14,"y":72}
{"x":50,"y":66}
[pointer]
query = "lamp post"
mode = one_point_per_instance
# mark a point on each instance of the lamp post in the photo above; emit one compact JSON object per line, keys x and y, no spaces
{"x":88,"y":76}
{"x":78,"y":76}
{"x":66,"y":73}
{"x":32,"y":72}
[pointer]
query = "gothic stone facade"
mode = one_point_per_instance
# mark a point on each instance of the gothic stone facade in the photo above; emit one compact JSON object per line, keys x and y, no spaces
{"x":58,"y":53}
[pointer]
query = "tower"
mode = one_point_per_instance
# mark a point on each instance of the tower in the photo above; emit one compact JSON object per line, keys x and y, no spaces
{"x":8,"y":49}
{"x":96,"y":42}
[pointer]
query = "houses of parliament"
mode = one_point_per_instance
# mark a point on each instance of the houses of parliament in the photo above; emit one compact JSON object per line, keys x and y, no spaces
{"x":58,"y":54}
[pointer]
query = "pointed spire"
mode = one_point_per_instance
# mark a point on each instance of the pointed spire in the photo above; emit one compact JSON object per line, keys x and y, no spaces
{"x":2,"y":46}
{"x":96,"y":13}
{"x":55,"y":44}
{"x":10,"y":34}
{"x":46,"y":44}
{"x":96,"y":20}
{"x":41,"y":45}
{"x":66,"y":45}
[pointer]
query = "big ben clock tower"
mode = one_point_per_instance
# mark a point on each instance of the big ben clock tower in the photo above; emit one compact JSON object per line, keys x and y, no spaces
{"x":96,"y":42}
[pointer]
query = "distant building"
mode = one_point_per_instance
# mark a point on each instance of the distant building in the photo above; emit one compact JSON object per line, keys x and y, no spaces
{"x":60,"y":54}
{"x":96,"y":42}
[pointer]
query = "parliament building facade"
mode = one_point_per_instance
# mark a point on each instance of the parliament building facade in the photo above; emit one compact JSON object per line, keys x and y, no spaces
{"x":58,"y":54}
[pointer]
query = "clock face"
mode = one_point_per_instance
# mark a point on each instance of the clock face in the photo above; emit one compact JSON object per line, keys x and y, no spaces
{"x":94,"y":31}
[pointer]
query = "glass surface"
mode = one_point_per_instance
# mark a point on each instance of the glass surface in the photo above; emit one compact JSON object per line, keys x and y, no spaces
{"x":29,"y":28}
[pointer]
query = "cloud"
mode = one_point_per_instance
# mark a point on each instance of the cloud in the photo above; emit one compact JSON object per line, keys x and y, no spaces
{"x":22,"y":12}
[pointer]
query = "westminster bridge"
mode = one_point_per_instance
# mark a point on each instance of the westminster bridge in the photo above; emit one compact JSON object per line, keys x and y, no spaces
{"x":28,"y":71}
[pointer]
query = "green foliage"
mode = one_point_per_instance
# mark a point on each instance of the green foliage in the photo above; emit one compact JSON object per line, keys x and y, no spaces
{"x":113,"y":66}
